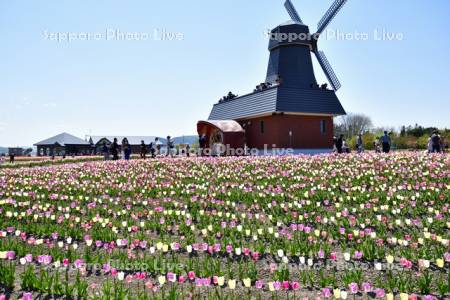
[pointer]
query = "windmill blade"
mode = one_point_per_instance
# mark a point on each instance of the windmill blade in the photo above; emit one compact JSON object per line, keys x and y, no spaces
{"x":329,"y":73}
{"x":292,"y":11}
{"x":330,"y":14}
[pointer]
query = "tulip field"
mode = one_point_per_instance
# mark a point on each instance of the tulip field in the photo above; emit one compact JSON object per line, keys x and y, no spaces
{"x":295,"y":227}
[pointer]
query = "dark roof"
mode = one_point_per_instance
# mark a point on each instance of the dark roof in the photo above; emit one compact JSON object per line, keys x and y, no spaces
{"x":279,"y":99}
{"x":245,"y":106}
{"x":62,"y":140}
{"x":309,"y":100}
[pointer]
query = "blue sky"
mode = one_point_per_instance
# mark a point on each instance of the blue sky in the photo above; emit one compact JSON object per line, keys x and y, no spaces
{"x":153,"y":87}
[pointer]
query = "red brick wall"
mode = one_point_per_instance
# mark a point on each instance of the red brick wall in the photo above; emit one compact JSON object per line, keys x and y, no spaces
{"x":306,"y":132}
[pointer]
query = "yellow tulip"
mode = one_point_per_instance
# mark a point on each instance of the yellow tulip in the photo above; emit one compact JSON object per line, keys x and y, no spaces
{"x":162,"y":280}
{"x":231,"y":284}
{"x":247,"y":282}
{"x":404,"y":296}
{"x":390,"y":296}
{"x":389,"y":259}
{"x":337,"y":293}
{"x":440,"y":262}
{"x":271,"y":287}
{"x":220,"y":281}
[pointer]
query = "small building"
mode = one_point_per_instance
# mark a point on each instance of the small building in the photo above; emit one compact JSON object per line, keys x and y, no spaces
{"x":63,"y":144}
{"x":97,"y":142}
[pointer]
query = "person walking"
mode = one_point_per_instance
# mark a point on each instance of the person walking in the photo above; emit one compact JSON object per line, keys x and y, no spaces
{"x":152,"y":150}
{"x":436,"y":142}
{"x":340,"y":144}
{"x":386,"y":142}
{"x":202,"y":143}
{"x":11,"y":157}
{"x":158,"y":146}
{"x":169,"y":146}
{"x":114,"y":150}
{"x":188,"y":150}
{"x":360,"y":144}
{"x":126,"y":148}
{"x":143,"y":150}
{"x":430,"y":144}
{"x":334,"y":144}
{"x":105,"y":151}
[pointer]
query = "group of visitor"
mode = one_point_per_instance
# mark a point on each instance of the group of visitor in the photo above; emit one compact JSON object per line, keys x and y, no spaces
{"x":383,"y":144}
{"x":228,"y":97}
{"x":154,"y":148}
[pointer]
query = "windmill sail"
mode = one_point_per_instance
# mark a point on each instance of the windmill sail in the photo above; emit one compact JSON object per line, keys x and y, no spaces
{"x":329,"y":73}
{"x":292,"y":11}
{"x":330,"y":14}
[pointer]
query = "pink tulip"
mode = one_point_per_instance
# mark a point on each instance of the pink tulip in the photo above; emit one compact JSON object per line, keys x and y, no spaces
{"x":114,"y":272}
{"x":358,"y":255}
{"x":129,"y":278}
{"x":2,"y":297}
{"x":181,"y":279}
{"x":78,"y":263}
{"x":286,"y":285}
{"x":353,"y":287}
{"x":255,"y":255}
{"x":295,"y":285}
{"x":447,"y":256}
{"x":170,"y":276}
{"x":333,"y":256}
{"x":191,"y":275}
{"x":143,"y":244}
{"x":366,"y":287}
{"x":259,"y":284}
{"x":27,"y":296}
{"x":29,"y":258}
{"x":198,"y":282}
{"x":326,"y":292}
{"x":149,"y":285}
{"x":380,"y":293}
{"x":10,"y":255}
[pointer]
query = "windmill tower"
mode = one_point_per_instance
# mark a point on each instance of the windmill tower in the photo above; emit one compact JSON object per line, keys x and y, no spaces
{"x":289,"y":110}
{"x":291,"y":45}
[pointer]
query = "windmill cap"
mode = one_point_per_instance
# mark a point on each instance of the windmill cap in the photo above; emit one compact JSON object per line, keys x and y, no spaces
{"x":290,"y":33}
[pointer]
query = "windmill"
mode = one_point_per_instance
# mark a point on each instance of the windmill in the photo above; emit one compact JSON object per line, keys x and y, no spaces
{"x":291,"y":58}
{"x":289,"y":109}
